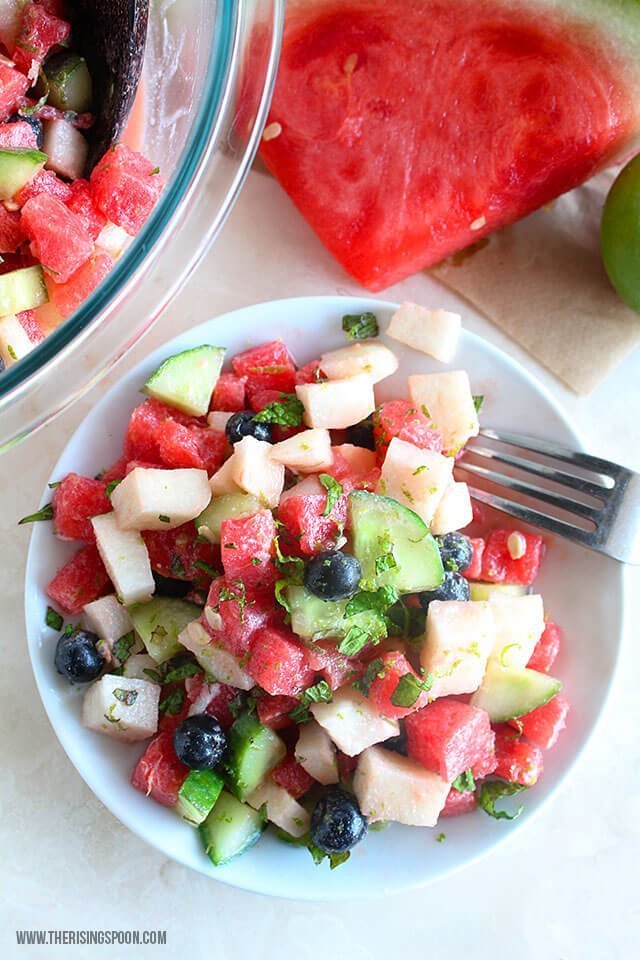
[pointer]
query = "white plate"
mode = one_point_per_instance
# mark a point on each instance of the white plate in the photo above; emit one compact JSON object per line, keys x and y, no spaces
{"x":582,"y":591}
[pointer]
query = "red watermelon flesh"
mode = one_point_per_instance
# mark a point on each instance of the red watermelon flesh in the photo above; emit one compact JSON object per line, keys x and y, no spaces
{"x":293,"y":778}
{"x":459,"y":802}
{"x":140,"y":440}
{"x":12,"y":235}
{"x":126,"y":187}
{"x":324,"y":657}
{"x":67,"y":297}
{"x":82,"y":580}
{"x":82,"y":204}
{"x":450,"y":737}
{"x":547,"y":648}
{"x":40,"y":31}
{"x":191,"y":446}
{"x":13,"y":86}
{"x":29,"y":323}
{"x":16,"y":135}
{"x":268,"y":367}
{"x":229,"y":393}
{"x":394,"y":666}
{"x":211,"y":698}
{"x":158,"y":773}
{"x":474,"y":570}
{"x":412,"y":128}
{"x":278,"y":663}
{"x":179,"y":554}
{"x":398,"y":418}
{"x":498,"y":566}
{"x":58,"y":238}
{"x":272,"y":711}
{"x":243,"y":612}
{"x":44,"y":182}
{"x":247,"y":548}
{"x":544,"y":724}
{"x":518,"y":761}
{"x":75,"y":501}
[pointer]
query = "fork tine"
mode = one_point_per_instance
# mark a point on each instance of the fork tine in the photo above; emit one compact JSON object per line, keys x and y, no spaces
{"x":540,"y":470}
{"x":535,"y":517}
{"x":547,"y":448}
{"x":537,"y":493}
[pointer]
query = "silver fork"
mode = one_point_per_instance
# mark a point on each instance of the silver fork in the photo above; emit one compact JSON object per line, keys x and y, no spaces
{"x":591,"y":501}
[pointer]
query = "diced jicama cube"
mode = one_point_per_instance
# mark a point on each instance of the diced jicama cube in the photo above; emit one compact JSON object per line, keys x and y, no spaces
{"x":454,"y":510}
{"x":316,"y":753}
{"x":113,"y":239}
{"x":434,"y":332}
{"x":214,"y":660}
{"x":368,"y":357}
{"x":459,"y":638}
{"x":122,"y":707}
{"x":218,"y":420}
{"x":306,"y":452}
{"x":336,"y":404}
{"x":108,"y":618}
{"x":222,"y":481}
{"x":254,"y":471}
{"x":360,"y":459}
{"x":352,"y":723}
{"x":154,"y":499}
{"x":14,"y":341}
{"x":392,"y":787}
{"x":414,"y":477}
{"x":66,"y":148}
{"x":446,"y":399}
{"x":519,"y":624}
{"x":126,"y":559}
{"x":135,"y":667}
{"x":281,"y":808}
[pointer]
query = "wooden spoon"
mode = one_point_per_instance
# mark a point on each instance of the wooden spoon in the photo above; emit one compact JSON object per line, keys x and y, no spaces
{"x":111,"y":35}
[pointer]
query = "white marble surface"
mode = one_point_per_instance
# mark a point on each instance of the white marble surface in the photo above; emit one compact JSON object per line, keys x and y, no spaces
{"x":563,"y":889}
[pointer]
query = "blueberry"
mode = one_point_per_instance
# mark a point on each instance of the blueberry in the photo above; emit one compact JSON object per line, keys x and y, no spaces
{"x":170,"y":587}
{"x":456,"y":551}
{"x":453,"y":587}
{"x":77,"y":656}
{"x":243,"y":424}
{"x":333,"y":575}
{"x":337,"y":824}
{"x":199,"y":742}
{"x":34,"y":123}
{"x":361,"y":434}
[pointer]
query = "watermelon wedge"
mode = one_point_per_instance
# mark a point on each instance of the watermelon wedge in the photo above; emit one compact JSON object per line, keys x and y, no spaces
{"x":404,"y":130}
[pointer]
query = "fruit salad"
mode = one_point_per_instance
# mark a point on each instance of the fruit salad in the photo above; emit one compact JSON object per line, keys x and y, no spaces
{"x":59,"y":232}
{"x":273,"y":596}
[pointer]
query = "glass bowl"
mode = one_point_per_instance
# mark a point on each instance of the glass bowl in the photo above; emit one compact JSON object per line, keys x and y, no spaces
{"x":210,"y":67}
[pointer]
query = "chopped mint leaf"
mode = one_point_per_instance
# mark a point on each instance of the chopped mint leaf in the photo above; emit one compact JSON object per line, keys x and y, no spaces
{"x":404,"y":621}
{"x":172,"y":704}
{"x":153,"y":675}
{"x":373,"y":601}
{"x":494,"y":790}
{"x":122,"y":647}
{"x":128,"y":697}
{"x":240,"y":596}
{"x":110,"y":487}
{"x":182,"y":671}
{"x":319,"y":856}
{"x":409,"y":688}
{"x":363,"y":685}
{"x":465,"y":782}
{"x":56,"y":483}
{"x":281,"y":594}
{"x":45,"y":513}
{"x":163,"y":518}
{"x":319,"y":693}
{"x":242,"y":703}
{"x":334,"y":492}
{"x":256,"y":562}
{"x":354,"y":641}
{"x":360,"y":326}
{"x":292,"y":567}
{"x":177,"y":566}
{"x":441,"y":838}
{"x":478,"y":400}
{"x":155,"y":171}
{"x":53,"y":619}
{"x":385,"y":561}
{"x":206,"y":568}
{"x":286,"y":412}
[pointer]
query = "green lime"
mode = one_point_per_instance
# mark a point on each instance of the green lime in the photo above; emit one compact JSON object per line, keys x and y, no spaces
{"x":620,"y":234}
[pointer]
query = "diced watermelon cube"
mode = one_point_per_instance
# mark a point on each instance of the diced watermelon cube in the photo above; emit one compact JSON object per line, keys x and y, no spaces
{"x":306,"y":527}
{"x":247,"y":548}
{"x":12,"y":235}
{"x":260,"y":397}
{"x":547,"y":648}
{"x":278,"y":663}
{"x":44,"y":182}
{"x":229,"y":393}
{"x":82,"y":204}
{"x":293,"y":778}
{"x":140,"y":440}
{"x":498,"y":566}
{"x":117,"y":470}
{"x":310,"y":373}
{"x":518,"y":761}
{"x":80,"y":581}
{"x":346,"y":766}
{"x":213,"y":448}
{"x":158,"y":773}
{"x":75,"y":500}
{"x":211,"y":698}
{"x":268,"y":366}
{"x":544,"y":724}
{"x":67,"y":297}
{"x":40,"y":31}
{"x":179,"y":554}
{"x":16,"y":135}
{"x":13,"y":87}
{"x":351,"y":475}
{"x":126,"y":187}
{"x":398,"y":418}
{"x":394,"y":666}
{"x":178,"y":445}
{"x":335,"y":668}
{"x":58,"y":238}
{"x":450,"y":737}
{"x":243,"y":611}
{"x":474,"y":570}
{"x":459,"y":802}
{"x":273,"y":711}
{"x":29,"y":323}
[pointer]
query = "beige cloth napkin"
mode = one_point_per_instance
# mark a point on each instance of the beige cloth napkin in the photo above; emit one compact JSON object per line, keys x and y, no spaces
{"x":543,"y":283}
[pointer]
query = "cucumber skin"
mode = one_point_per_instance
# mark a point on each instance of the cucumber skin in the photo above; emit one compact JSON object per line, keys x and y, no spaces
{"x":198,"y":795}
{"x":176,"y":381}
{"x":215,"y":828}
{"x":507,"y":693}
{"x":248,"y":735}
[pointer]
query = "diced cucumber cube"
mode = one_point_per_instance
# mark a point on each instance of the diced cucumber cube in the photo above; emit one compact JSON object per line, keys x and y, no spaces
{"x":209,"y":523}
{"x":17,"y":168}
{"x":230,"y":829}
{"x":252,"y":751}
{"x":187,"y":380}
{"x":509,"y":692}
{"x":198,"y":795}
{"x":159,"y":622}
{"x":21,"y":290}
